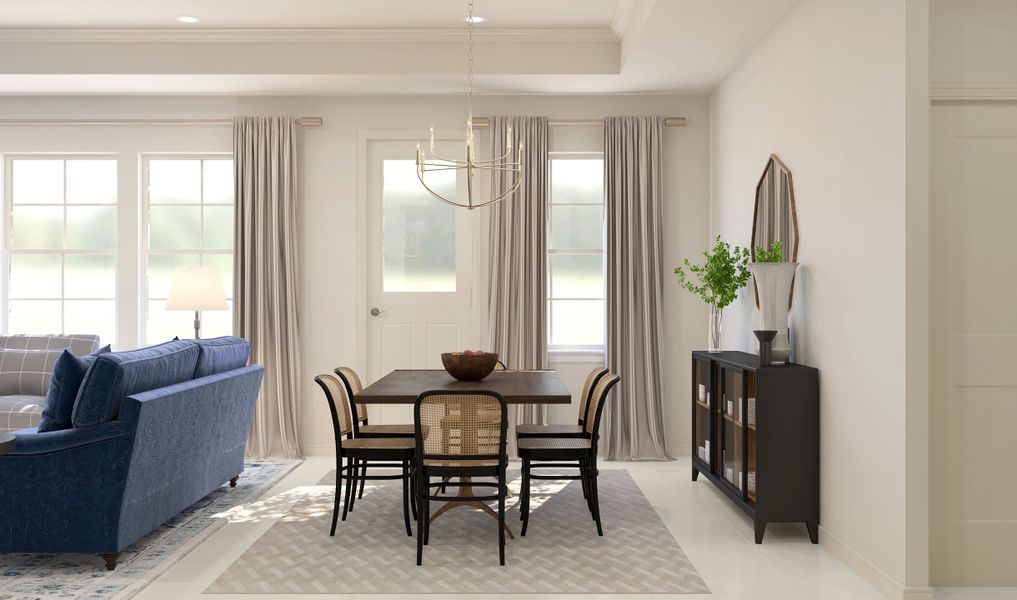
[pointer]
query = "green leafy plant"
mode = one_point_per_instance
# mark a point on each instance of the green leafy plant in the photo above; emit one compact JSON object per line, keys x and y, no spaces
{"x":774,"y":255}
{"x":717,"y":282}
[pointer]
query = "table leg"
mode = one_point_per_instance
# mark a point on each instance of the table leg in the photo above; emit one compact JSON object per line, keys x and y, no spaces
{"x":466,"y":490}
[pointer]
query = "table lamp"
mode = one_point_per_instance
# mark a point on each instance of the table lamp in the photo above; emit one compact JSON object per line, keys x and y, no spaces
{"x":197,"y":289}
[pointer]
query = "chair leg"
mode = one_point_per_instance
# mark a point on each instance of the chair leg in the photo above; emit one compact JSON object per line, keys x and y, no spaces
{"x":338,"y":490}
{"x":425,"y":513}
{"x":596,"y":499}
{"x":421,"y":518}
{"x":363,"y":478}
{"x":351,"y":483}
{"x":406,"y":498}
{"x":501,"y":518}
{"x":582,"y":480}
{"x":525,"y":500}
{"x":413,"y":493}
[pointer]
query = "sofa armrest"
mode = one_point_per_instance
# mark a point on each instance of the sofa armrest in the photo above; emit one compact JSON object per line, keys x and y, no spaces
{"x":52,"y":442}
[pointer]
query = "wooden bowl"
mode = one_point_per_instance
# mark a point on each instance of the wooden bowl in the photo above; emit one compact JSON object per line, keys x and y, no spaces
{"x":469,"y":367}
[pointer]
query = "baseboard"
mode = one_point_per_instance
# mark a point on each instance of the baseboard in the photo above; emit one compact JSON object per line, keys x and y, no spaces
{"x":886,"y":585}
{"x":323,"y":450}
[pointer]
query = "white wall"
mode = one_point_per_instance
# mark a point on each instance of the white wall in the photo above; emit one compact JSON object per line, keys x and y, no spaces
{"x":328,"y":211}
{"x":825,"y":91}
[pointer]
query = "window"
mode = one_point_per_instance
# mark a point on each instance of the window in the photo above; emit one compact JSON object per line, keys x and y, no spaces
{"x":576,"y":254}
{"x":419,"y":230}
{"x":187,"y":221}
{"x":61,"y":232}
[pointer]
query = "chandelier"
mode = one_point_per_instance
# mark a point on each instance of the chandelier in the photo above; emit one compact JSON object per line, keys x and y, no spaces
{"x":501,"y":166}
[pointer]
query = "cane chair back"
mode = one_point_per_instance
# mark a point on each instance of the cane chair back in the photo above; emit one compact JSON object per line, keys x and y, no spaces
{"x":584,"y":400}
{"x":338,"y":404}
{"x":355,"y":386}
{"x":597,"y":401}
{"x":461,"y":429}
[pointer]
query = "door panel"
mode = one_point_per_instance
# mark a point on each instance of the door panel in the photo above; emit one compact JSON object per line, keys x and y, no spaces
{"x":419,"y":267}
{"x":973,"y":220}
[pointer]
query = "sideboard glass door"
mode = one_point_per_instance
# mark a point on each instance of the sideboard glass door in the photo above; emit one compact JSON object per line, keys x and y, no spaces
{"x":732,"y":427}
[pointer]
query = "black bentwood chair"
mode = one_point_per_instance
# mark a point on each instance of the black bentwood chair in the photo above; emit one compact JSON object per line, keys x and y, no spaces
{"x":555,"y":430}
{"x":361,"y":426}
{"x":360,"y":453}
{"x":560,"y":453}
{"x":462,"y":435}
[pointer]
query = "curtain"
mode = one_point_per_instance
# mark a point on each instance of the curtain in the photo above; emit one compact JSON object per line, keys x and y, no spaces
{"x":517,"y":291}
{"x":265,"y":275}
{"x":633,"y":419}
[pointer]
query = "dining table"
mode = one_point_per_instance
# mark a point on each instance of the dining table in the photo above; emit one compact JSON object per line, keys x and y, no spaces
{"x":402,"y":386}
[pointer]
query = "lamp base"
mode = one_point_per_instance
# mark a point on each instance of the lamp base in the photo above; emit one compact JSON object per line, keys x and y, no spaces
{"x":197,"y":324}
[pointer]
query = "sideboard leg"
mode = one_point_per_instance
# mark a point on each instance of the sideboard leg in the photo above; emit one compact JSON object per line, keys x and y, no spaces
{"x":695,"y":474}
{"x":760,"y":530}
{"x":813,"y":528}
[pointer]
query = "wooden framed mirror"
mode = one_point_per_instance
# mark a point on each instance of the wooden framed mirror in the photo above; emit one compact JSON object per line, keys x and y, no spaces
{"x":775,"y":216}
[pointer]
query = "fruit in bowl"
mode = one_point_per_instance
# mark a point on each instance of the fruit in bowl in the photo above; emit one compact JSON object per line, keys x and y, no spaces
{"x":469,"y":365}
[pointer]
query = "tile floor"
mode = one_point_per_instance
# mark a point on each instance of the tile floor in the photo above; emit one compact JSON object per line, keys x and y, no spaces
{"x":716,"y":536}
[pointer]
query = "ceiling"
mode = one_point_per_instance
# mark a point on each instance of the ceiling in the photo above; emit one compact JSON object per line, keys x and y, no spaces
{"x":364,"y":47}
{"x":306,"y":13}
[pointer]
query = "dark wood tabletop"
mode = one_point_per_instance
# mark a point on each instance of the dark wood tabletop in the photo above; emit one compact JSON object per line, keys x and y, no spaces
{"x":7,"y":442}
{"x":518,"y":387}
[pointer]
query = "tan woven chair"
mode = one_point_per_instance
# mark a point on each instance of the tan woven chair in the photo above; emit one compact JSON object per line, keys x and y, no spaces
{"x":359,"y":453}
{"x":530,"y":431}
{"x":459,"y":435}
{"x":361,"y":426}
{"x":568,"y":453}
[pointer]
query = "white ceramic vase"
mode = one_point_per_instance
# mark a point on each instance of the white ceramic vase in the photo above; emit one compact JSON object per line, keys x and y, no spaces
{"x":773,"y":284}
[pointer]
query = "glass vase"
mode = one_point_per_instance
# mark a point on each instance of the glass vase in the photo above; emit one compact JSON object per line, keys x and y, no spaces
{"x":716,"y":314}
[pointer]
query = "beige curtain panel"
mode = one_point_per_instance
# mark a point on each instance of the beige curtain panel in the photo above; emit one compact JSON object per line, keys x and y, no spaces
{"x":517,"y":293}
{"x":265,"y":275}
{"x":633,"y":420}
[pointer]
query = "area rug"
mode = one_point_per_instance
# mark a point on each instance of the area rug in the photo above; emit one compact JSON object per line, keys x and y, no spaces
{"x":561,"y":553}
{"x":85,"y":576}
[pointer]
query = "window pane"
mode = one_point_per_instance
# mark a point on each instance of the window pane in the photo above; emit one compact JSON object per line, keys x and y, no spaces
{"x":216,"y":322}
{"x":174,"y":181}
{"x":577,"y":181}
{"x":577,"y":322}
{"x":34,"y":317}
{"x":163,"y":324}
{"x":92,"y":227}
{"x":35,"y":276}
{"x":419,"y":230}
{"x":91,"y":316}
{"x":174,"y":227}
{"x":577,"y":276}
{"x":160,"y":271}
{"x":38,"y":227}
{"x":577,"y":227}
{"x":218,"y":181}
{"x":90,"y":276}
{"x":218,"y":227}
{"x":223,"y":263}
{"x":91,"y":182}
{"x":37,"y":181}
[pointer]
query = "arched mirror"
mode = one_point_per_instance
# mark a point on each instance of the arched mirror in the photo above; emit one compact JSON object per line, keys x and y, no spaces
{"x":775,"y":218}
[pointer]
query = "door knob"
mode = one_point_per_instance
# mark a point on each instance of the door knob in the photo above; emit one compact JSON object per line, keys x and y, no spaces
{"x":375,"y":312}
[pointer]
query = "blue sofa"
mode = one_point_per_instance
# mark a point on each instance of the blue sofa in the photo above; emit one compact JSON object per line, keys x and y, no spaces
{"x":155,"y":430}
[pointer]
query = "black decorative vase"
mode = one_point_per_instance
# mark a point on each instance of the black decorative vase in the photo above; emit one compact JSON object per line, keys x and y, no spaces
{"x":765,"y":337}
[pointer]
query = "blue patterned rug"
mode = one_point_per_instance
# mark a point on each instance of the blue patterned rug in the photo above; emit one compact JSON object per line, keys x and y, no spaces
{"x":24,"y":576}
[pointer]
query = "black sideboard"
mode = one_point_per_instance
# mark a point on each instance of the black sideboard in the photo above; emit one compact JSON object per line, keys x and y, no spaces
{"x":755,"y":435}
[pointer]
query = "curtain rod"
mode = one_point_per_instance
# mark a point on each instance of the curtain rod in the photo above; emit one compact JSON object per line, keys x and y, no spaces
{"x":305,"y":121}
{"x":668,"y":121}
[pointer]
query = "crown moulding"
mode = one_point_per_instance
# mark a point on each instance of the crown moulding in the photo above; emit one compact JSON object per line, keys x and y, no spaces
{"x":299,"y":34}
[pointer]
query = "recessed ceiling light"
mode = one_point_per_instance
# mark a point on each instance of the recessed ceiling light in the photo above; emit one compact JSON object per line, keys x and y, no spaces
{"x":475,"y":19}
{"x":187,"y":19}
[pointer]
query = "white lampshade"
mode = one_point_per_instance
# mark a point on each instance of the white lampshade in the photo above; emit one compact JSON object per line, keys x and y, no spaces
{"x":196,"y":288}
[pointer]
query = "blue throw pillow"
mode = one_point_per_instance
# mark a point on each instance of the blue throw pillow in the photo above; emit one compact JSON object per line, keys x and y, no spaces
{"x":221,"y":354}
{"x":68,"y":373}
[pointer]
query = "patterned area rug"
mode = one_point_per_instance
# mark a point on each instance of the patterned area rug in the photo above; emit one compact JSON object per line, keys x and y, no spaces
{"x":84,"y":575}
{"x":561,"y":553}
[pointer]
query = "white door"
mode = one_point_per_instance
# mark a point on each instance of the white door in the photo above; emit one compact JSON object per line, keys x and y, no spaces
{"x":419,"y":269}
{"x":973,"y":224}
